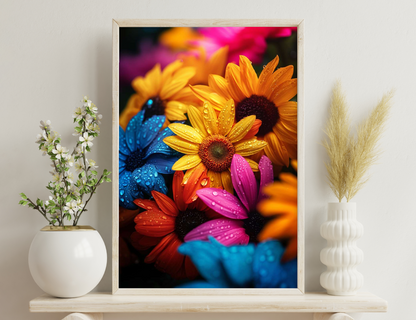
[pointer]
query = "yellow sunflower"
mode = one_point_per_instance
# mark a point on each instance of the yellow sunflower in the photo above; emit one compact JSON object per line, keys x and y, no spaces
{"x":267,"y":97}
{"x":211,"y":142}
{"x":283,"y":203}
{"x":161,"y":93}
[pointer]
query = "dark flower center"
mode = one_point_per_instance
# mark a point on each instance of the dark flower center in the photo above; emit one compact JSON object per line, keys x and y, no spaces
{"x":135,"y":160}
{"x":216,"y":153}
{"x":188,"y":220}
{"x":254,"y":224}
{"x":153,"y":107}
{"x":262,"y":108}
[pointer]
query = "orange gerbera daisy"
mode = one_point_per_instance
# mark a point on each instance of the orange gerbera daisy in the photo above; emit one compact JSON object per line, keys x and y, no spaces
{"x":283,"y":203}
{"x":267,"y":97}
{"x":165,"y":223}
{"x":161,"y":93}
{"x":213,"y":141}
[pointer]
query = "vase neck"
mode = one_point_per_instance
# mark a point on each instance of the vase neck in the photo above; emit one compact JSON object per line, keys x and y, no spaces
{"x":341,"y":211}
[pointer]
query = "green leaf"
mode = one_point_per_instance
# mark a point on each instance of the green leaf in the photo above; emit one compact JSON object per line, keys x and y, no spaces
{"x":23,"y":196}
{"x":23,"y":202}
{"x":88,"y":149}
{"x":94,"y":172}
{"x":107,"y":179}
{"x":68,"y":216}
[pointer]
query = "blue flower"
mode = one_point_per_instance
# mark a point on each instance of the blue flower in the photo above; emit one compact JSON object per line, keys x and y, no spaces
{"x":240,"y":266}
{"x":142,"y":157}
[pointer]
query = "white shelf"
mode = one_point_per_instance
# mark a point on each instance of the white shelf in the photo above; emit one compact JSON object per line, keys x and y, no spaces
{"x":309,"y":302}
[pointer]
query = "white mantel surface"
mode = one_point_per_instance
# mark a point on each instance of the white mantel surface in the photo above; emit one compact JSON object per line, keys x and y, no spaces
{"x":52,"y":52}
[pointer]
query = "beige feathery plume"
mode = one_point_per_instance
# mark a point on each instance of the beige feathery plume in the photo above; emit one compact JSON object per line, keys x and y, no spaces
{"x":338,"y":132}
{"x":350,"y":158}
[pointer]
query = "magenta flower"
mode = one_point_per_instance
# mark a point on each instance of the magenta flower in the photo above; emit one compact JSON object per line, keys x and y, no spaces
{"x":249,"y":42}
{"x":241,"y":223}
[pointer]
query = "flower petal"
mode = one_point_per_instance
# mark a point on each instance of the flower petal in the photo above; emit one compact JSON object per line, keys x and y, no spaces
{"x":223,"y":202}
{"x":238,"y":264}
{"x":244,"y":182}
{"x":149,"y":130}
{"x":266,"y":77}
{"x":158,"y":146}
{"x":132,"y":129}
{"x":175,"y":110}
{"x":215,"y":179}
{"x":254,"y":130}
{"x":210,"y":119}
{"x":162,"y":162}
{"x":127,"y":191}
{"x":219,"y":85}
{"x":226,"y":181}
{"x":226,"y":118}
{"x":249,"y":147}
{"x":181,"y":145}
{"x":286,"y":91}
{"x":186,"y":132}
{"x":141,"y":242}
{"x":276,"y":150}
{"x":187,"y":162}
{"x":266,"y":175}
{"x":225,"y":231}
{"x":206,"y":258}
{"x":177,"y":190}
{"x":197,"y":180}
{"x":122,"y":144}
{"x":134,"y":105}
{"x":241,"y":128}
{"x":125,"y":216}
{"x":197,"y":120}
{"x":165,"y":203}
{"x":268,"y":271}
{"x":154,"y":223}
{"x":178,"y":81}
{"x":253,"y":164}
{"x":146,"y":179}
{"x":235,"y":86}
{"x":247,"y":73}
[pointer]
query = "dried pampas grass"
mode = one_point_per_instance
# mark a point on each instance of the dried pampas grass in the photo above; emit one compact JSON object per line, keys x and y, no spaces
{"x":350,"y":157}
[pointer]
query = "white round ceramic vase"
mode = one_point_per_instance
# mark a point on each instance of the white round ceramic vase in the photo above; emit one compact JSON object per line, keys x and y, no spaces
{"x":67,"y":262}
{"x":341,"y":255}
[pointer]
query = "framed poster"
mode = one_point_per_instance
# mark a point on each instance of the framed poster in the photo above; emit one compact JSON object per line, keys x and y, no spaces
{"x":208,"y":143}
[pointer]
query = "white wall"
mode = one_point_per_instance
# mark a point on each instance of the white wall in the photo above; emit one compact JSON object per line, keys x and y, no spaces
{"x":54,"y":52}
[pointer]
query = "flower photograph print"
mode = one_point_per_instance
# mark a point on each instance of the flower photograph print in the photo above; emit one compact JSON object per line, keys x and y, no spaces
{"x":207,"y":157}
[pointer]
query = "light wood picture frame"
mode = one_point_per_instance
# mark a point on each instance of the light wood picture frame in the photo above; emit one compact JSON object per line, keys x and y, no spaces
{"x":133,"y":23}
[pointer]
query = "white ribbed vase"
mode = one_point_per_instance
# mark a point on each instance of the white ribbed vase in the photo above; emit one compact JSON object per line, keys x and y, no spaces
{"x":341,"y":256}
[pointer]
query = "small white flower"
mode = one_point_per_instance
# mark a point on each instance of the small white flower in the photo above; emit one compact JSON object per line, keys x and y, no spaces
{"x":70,"y":177}
{"x":78,"y":150}
{"x":45,"y":125}
{"x":79,"y":165}
{"x":70,"y":160}
{"x":93,"y":127}
{"x":78,"y":113}
{"x":92,"y":164}
{"x":86,"y":140}
{"x":50,"y":139}
{"x":47,"y":203}
{"x":71,"y":206}
{"x":88,"y":119}
{"x":56,"y":177}
{"x":87,"y":103}
{"x":80,"y":204}
{"x":60,"y":152}
{"x":41,"y":138}
{"x":99,"y":117}
{"x":93,"y":108}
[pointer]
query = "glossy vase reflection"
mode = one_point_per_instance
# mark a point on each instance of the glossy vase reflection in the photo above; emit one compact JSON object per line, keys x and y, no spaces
{"x":67,"y":263}
{"x":341,"y":256}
